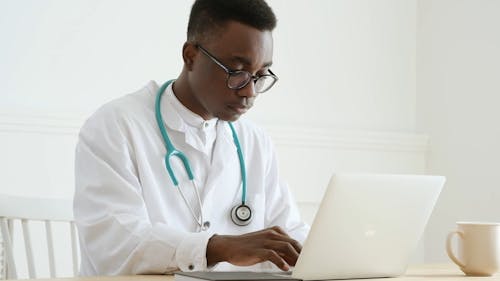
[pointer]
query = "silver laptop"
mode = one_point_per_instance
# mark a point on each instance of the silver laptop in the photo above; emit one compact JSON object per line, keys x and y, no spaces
{"x":367,"y":226}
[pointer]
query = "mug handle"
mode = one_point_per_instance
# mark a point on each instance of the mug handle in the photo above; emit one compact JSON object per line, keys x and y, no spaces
{"x":449,"y":249}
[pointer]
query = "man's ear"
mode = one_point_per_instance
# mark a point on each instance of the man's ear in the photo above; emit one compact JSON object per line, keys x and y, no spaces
{"x":189,"y":52}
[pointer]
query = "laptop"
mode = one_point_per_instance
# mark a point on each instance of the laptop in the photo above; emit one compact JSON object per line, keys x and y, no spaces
{"x":367,"y":226}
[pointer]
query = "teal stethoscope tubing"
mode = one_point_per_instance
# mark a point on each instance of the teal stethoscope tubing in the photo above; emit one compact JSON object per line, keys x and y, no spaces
{"x":172,"y":151}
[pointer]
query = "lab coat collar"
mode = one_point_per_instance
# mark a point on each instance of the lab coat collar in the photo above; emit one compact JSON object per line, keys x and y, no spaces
{"x":225,"y":153}
{"x":175,"y":120}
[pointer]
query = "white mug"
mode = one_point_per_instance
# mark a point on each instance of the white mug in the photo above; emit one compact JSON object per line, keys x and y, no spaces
{"x":478,"y":248}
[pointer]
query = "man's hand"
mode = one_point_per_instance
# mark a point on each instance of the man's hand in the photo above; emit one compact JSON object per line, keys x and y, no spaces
{"x":271,"y":244}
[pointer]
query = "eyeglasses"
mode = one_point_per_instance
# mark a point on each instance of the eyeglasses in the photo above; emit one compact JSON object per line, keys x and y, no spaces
{"x":238,"y":79}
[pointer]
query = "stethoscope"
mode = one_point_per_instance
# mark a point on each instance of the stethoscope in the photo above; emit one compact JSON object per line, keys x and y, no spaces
{"x":241,"y":214}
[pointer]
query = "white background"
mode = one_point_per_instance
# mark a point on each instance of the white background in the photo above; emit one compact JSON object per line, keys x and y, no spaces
{"x":371,"y":86}
{"x":458,"y":98}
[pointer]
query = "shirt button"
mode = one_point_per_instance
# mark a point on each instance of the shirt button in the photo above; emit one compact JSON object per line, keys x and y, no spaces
{"x":206,"y":225}
{"x":191,"y":267}
{"x":205,"y":124}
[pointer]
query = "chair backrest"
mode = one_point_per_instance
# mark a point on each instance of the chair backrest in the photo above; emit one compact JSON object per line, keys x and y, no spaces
{"x":25,"y":209}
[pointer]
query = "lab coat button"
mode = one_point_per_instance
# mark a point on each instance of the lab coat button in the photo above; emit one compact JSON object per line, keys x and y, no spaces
{"x":190,"y":267}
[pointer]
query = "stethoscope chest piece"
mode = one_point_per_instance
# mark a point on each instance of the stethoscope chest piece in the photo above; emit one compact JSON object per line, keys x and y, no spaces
{"x":241,"y":214}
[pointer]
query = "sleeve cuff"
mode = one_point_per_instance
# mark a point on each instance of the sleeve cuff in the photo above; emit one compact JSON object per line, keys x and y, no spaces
{"x":191,"y":254}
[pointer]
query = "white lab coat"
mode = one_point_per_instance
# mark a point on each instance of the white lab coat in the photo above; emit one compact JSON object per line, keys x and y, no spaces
{"x":130,"y":217}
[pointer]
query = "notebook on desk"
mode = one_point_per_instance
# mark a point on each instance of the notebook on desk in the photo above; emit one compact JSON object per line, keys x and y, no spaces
{"x":367,"y":226}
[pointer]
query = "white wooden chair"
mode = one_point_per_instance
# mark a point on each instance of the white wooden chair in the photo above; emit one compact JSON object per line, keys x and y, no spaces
{"x":27,"y":209}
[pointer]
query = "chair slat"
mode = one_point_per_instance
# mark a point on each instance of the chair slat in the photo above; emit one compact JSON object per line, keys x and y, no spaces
{"x":74,"y":248}
{"x":50,"y":249}
{"x":6,"y":234}
{"x":10,"y":224}
{"x":29,"y":249}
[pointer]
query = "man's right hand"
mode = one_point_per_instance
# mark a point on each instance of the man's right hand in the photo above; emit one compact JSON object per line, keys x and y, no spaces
{"x":271,"y":244}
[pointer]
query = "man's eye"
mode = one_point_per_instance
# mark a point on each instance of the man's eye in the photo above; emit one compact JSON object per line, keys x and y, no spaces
{"x":236,"y":67}
{"x":263,"y":72}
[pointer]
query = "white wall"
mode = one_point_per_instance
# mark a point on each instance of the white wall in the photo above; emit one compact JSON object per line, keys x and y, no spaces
{"x":71,"y":56}
{"x":458,"y":97}
{"x":343,"y":66}
{"x":349,"y":62}
{"x":346,"y":93}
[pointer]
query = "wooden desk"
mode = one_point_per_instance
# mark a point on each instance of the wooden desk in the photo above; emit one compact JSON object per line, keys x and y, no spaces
{"x":447,"y":272}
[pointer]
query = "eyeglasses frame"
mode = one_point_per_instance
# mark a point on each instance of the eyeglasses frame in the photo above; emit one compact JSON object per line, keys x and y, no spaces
{"x":231,"y":72}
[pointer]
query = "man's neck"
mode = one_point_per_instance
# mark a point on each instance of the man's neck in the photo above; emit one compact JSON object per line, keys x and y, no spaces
{"x":185,"y":95}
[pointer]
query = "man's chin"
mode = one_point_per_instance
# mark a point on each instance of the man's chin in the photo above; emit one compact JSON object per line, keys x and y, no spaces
{"x":229,"y":117}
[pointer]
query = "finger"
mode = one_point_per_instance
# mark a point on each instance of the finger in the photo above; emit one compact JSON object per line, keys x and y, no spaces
{"x":275,"y":233}
{"x":264,"y":231}
{"x":273,"y":257}
{"x":284,"y":250}
{"x":296,"y":245}
{"x":279,"y":230}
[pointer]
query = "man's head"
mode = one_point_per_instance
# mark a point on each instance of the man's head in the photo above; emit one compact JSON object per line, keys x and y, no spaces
{"x":208,"y":17}
{"x":225,"y":37}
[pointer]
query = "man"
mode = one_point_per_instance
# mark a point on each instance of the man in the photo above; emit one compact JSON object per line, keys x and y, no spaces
{"x":132,"y":216}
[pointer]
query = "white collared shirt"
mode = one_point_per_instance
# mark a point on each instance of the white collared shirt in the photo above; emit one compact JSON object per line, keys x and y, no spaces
{"x":131,"y":218}
{"x":201,"y":132}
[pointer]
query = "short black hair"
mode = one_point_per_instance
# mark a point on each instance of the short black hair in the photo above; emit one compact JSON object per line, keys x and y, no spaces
{"x":209,"y":15}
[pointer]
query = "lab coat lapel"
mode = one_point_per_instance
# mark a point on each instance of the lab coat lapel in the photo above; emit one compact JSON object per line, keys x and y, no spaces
{"x":225,"y":169}
{"x":173,"y":120}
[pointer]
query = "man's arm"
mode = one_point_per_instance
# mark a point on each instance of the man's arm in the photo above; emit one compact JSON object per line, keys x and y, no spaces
{"x":280,"y":243}
{"x":117,"y":236}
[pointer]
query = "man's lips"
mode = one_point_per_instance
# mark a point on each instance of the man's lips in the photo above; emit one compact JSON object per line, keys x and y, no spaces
{"x":238,"y":108}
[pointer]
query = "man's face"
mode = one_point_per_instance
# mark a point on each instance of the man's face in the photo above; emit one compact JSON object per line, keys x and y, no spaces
{"x":238,"y":47}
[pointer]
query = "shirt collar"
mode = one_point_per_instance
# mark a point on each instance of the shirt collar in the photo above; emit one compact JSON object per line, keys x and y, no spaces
{"x":191,"y":118}
{"x":177,"y":117}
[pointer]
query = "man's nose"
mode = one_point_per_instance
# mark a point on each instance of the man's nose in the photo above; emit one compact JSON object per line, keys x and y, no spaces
{"x":248,"y":91}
